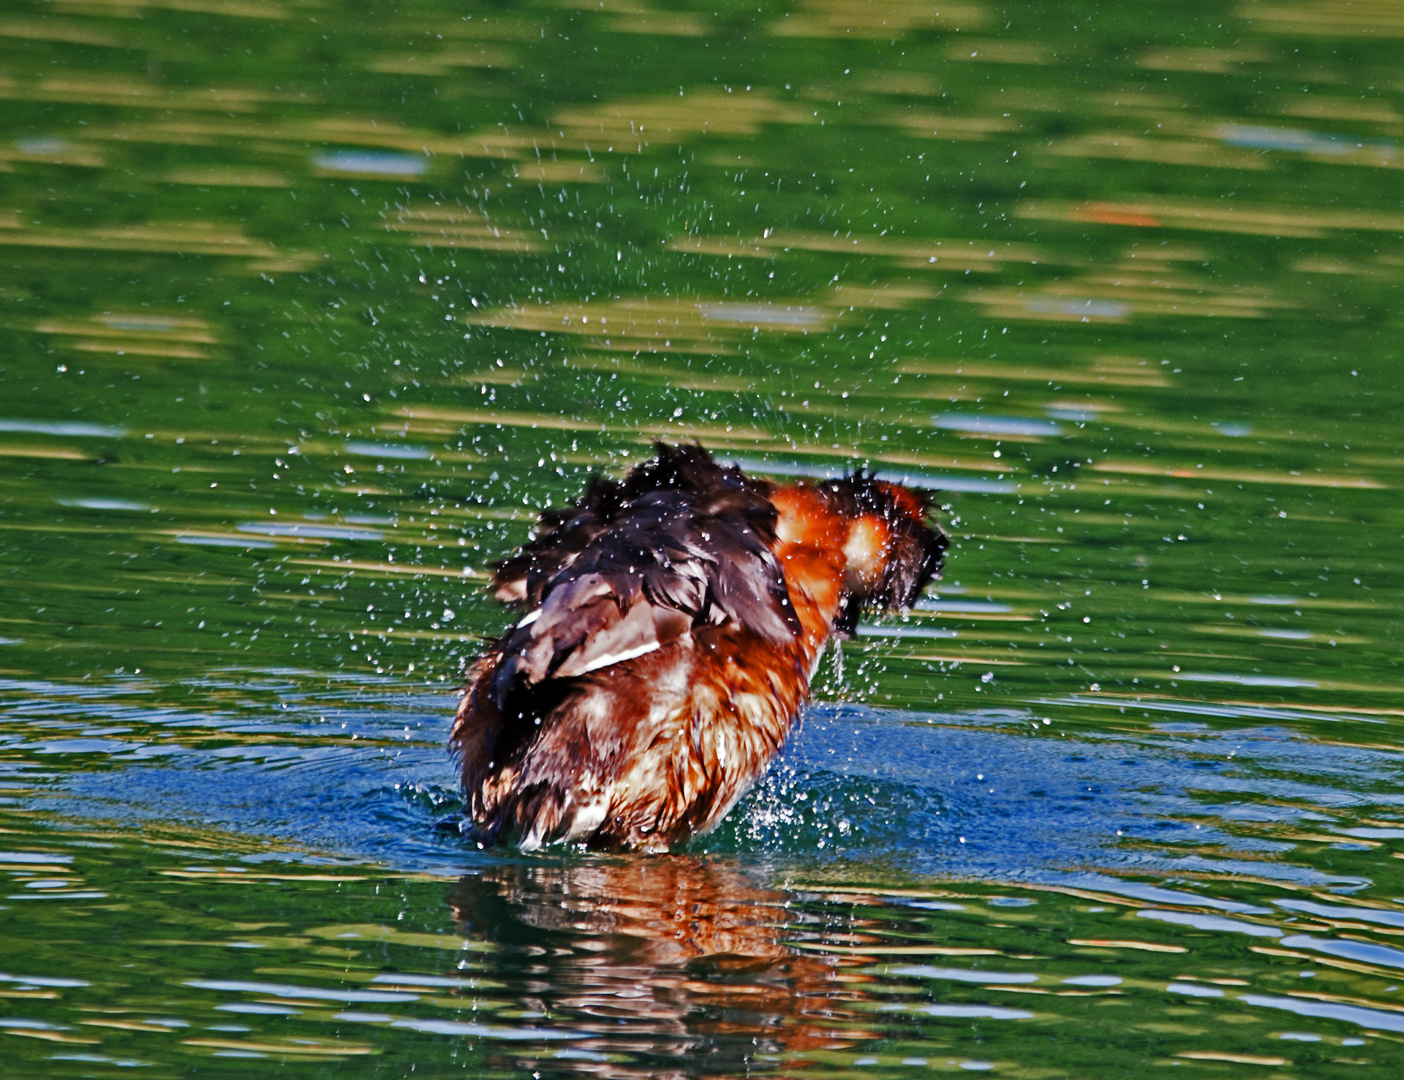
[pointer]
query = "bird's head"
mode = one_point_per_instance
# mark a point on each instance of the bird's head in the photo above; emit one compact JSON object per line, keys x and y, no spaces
{"x":891,"y":551}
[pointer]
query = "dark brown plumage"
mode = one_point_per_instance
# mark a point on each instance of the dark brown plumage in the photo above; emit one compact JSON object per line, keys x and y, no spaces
{"x":672,"y":622}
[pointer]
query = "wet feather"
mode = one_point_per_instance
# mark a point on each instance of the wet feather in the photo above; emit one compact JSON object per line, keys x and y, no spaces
{"x":671,"y":623}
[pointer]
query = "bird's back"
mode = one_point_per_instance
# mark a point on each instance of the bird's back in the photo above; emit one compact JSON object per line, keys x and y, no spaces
{"x":599,"y":695}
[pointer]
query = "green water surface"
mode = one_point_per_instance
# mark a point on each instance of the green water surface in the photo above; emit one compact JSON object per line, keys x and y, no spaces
{"x":307,"y":308}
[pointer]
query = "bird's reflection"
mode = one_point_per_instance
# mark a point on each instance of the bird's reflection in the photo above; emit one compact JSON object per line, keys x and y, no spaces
{"x":681,"y":965}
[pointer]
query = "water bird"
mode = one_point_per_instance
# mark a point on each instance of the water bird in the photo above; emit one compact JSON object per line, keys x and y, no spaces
{"x":670,"y":625}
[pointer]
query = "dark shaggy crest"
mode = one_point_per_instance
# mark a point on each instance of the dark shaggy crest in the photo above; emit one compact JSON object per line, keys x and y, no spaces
{"x":916,"y":550}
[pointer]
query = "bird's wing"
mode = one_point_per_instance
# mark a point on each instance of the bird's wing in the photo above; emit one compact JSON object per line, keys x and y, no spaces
{"x":558,"y":539}
{"x":631,"y":585}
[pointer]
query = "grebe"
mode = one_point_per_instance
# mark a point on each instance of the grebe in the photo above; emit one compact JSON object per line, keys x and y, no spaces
{"x":671,"y":624}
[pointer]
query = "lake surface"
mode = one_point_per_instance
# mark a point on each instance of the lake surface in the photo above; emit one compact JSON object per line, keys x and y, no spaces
{"x":307,"y":309}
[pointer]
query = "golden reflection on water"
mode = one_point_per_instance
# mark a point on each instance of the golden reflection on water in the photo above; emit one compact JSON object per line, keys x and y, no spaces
{"x":1137,"y":285}
{"x":168,"y":238}
{"x":1386,"y":116}
{"x":50,"y":453}
{"x":875,"y":18}
{"x":433,"y":225}
{"x":138,"y":333}
{"x":442,"y":60}
{"x":1164,"y":151}
{"x":62,"y":30}
{"x":1316,"y":478}
{"x":954,"y":128}
{"x":426,"y":420}
{"x":1327,"y":18}
{"x":1103,"y":370}
{"x":1209,"y":215}
{"x":637,"y":17}
{"x":631,"y":124}
{"x":233,"y":176}
{"x":549,"y":171}
{"x":679,"y":950}
{"x":996,"y":51}
{"x":1223,"y":60}
{"x":956,"y":256}
{"x":134,"y":9}
{"x":136,"y":92}
{"x":635,"y":324}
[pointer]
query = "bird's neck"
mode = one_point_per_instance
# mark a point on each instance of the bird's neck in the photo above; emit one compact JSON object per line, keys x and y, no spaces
{"x":811,"y":540}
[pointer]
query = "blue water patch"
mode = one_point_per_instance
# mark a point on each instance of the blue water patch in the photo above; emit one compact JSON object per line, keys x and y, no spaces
{"x":142,"y":324}
{"x":933,"y":603}
{"x":984,"y":424}
{"x":315,"y":993}
{"x":1284,"y":681}
{"x":310,"y":531}
{"x":993,"y":978}
{"x":1300,"y":140}
{"x":946,"y":482}
{"x":1352,"y":1014}
{"x":764,"y":314}
{"x":1086,"y":308}
{"x":963,"y":1012}
{"x":1339,"y":911}
{"x":221,"y":541}
{"x":382,"y":450}
{"x":1213,"y":923}
{"x":1190,"y":989}
{"x":42,"y":144}
{"x":869,"y":630}
{"x":371,"y":163}
{"x":1361,"y":951}
{"x":360,"y":773}
{"x":105,"y":504}
{"x":71,"y":428}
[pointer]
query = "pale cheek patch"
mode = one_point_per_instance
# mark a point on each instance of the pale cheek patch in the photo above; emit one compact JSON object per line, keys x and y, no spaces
{"x":863,"y":551}
{"x":787,"y":529}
